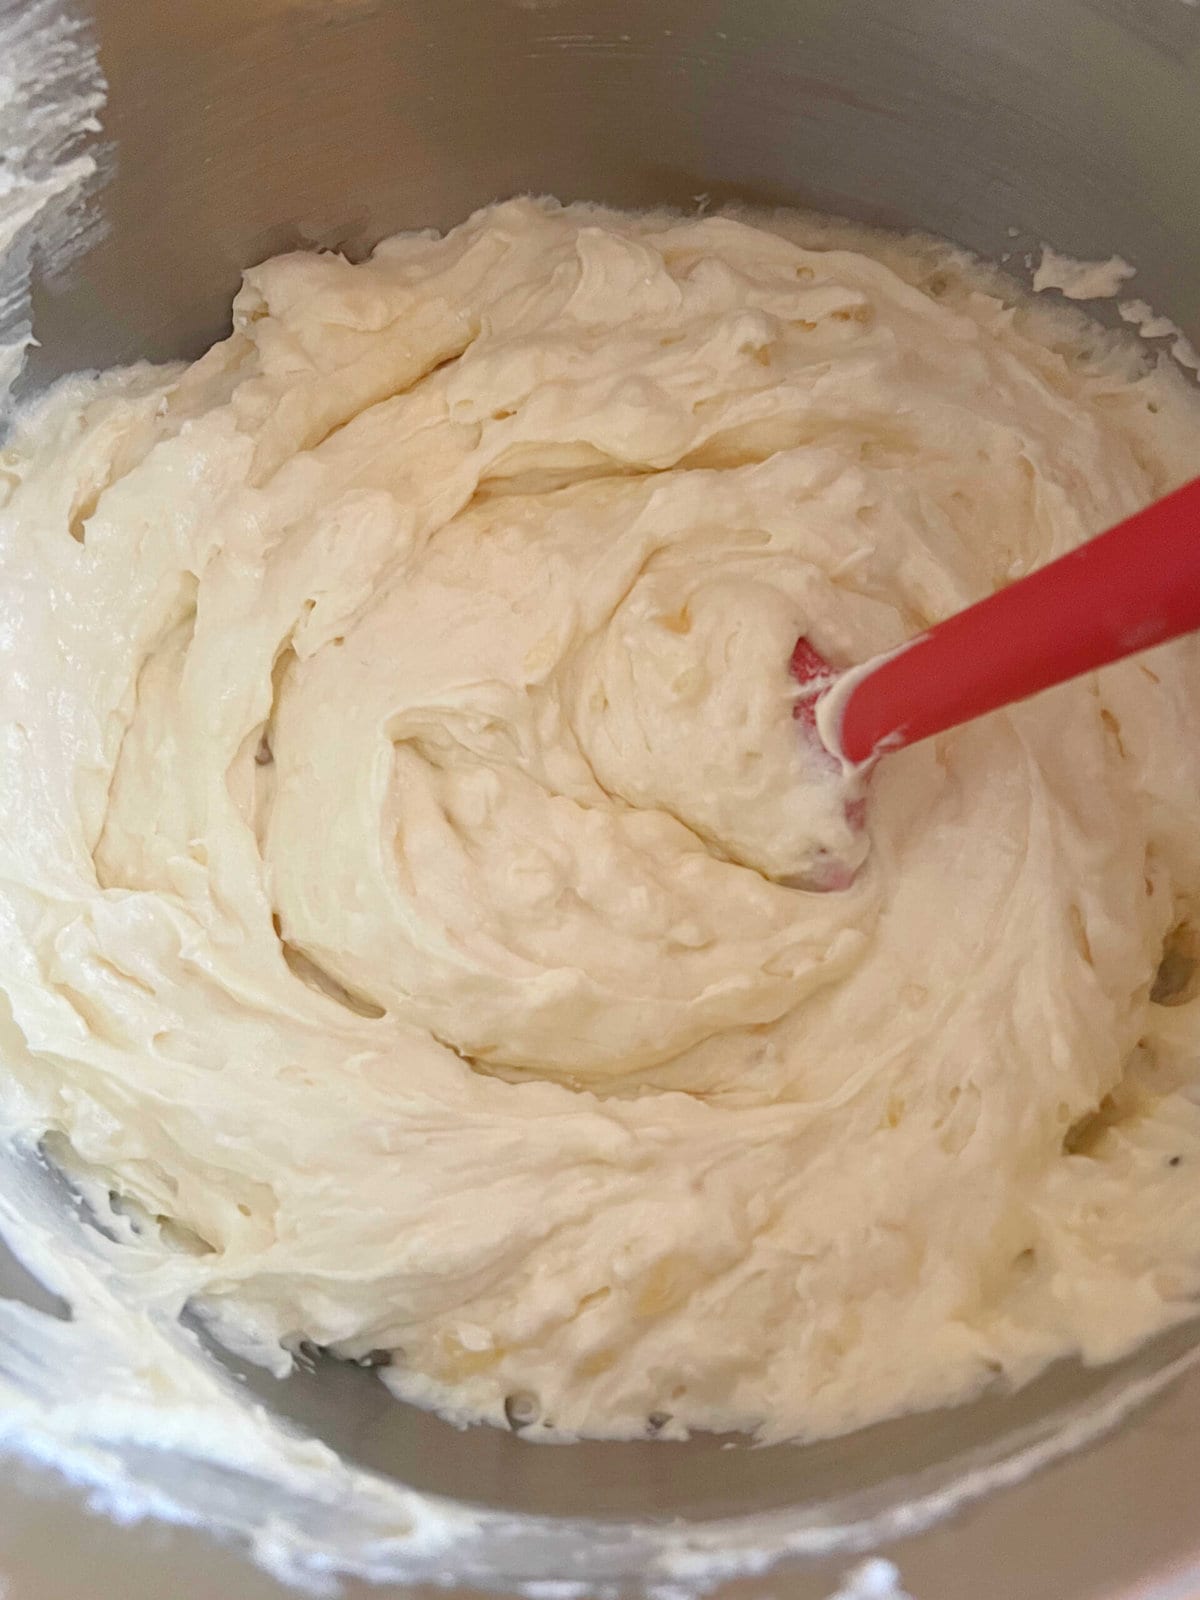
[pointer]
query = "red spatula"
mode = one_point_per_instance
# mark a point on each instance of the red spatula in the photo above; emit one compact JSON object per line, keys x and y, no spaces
{"x":1136,"y":586}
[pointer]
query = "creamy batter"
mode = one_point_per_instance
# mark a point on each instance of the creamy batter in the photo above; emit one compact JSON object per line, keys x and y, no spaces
{"x":401,"y":817}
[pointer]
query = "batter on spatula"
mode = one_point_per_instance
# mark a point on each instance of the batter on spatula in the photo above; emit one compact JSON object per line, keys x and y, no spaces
{"x":401,"y":808}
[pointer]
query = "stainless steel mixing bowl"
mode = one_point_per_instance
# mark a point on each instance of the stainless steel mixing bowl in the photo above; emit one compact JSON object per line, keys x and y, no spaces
{"x":238,"y":128}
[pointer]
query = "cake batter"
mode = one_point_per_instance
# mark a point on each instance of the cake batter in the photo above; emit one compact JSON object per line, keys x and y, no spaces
{"x":403,"y":832}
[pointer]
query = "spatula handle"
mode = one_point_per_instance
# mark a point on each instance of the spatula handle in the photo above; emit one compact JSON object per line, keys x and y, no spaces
{"x":1136,"y":586}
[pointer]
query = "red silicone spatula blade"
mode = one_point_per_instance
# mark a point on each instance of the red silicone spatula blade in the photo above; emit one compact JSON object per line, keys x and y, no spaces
{"x":1136,"y":586}
{"x":813,"y":676}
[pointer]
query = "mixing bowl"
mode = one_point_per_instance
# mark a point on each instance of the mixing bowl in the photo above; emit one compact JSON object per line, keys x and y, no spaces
{"x":238,"y":128}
